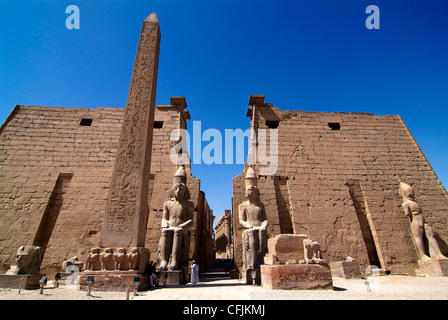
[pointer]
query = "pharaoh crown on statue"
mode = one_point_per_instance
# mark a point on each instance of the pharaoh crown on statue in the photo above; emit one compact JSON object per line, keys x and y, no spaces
{"x":180,"y":175}
{"x":406,"y":190}
{"x":251,"y":178}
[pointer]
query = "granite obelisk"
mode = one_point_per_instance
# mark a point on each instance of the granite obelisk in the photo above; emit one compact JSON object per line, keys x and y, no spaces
{"x":122,"y":257}
{"x":127,"y":204}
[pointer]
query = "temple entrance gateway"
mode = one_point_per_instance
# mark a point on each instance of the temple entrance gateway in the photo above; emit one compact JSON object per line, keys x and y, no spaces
{"x":106,"y":195}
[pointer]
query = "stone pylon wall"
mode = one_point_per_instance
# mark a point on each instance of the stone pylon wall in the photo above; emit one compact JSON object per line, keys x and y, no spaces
{"x":38,"y":145}
{"x":55,"y":168}
{"x":340,"y":186}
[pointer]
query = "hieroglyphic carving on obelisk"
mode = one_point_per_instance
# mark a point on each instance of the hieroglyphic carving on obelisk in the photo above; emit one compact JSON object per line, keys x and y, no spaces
{"x":126,"y":214}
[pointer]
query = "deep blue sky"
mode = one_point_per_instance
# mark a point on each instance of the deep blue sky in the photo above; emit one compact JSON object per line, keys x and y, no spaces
{"x":311,"y":55}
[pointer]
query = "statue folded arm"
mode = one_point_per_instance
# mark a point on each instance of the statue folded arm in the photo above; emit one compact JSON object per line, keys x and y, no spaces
{"x":243,"y":217}
{"x":264,"y":219}
{"x":186,"y":224}
{"x":165,"y":217}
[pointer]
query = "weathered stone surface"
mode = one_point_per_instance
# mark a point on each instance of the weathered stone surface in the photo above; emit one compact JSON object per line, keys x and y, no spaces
{"x":40,"y":146}
{"x":87,"y":152}
{"x":112,"y":280}
{"x":127,"y":208}
{"x":27,"y":261}
{"x":345,"y":269}
{"x":340,"y":186}
{"x":173,"y":278}
{"x":287,"y":248}
{"x":56,"y":167}
{"x":109,"y":278}
{"x":127,"y":204}
{"x":23,"y":281}
{"x":296,"y":276}
{"x":434,"y":268}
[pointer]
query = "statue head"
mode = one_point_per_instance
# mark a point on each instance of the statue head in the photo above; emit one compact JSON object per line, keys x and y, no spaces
{"x":252,"y":193}
{"x":94,"y":251}
{"x":406,"y":191}
{"x":251,"y":181}
{"x":28,"y":260}
{"x":180,"y":190}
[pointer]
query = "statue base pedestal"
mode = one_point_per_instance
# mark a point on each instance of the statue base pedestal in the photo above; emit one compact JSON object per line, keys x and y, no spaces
{"x":28,"y":281}
{"x":296,"y":276}
{"x":345,"y":269}
{"x":113,"y":280}
{"x":250,"y":273}
{"x":173,"y":278}
{"x":434,"y":268}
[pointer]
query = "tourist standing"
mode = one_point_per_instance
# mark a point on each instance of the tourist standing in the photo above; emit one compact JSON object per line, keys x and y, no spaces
{"x":194,"y":273}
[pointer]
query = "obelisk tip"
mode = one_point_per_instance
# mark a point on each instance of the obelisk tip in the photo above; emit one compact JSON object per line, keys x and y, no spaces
{"x":152,"y":18}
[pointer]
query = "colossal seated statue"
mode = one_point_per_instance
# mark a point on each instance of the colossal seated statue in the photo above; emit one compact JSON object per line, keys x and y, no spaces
{"x":176,"y":219}
{"x":252,"y":216}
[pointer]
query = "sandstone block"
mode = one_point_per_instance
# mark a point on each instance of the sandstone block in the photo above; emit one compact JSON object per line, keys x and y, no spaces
{"x":112,"y":280}
{"x":296,"y":277}
{"x":434,"y":268}
{"x":345,"y":269}
{"x":286,"y":248}
{"x":24,"y":281}
{"x":174,"y":278}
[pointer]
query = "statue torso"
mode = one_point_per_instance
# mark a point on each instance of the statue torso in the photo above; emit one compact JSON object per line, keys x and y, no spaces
{"x":178,"y":211}
{"x":412,"y":206}
{"x":254,"y":213}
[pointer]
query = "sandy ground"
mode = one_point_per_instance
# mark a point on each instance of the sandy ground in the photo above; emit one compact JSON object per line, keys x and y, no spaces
{"x":381,"y":288}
